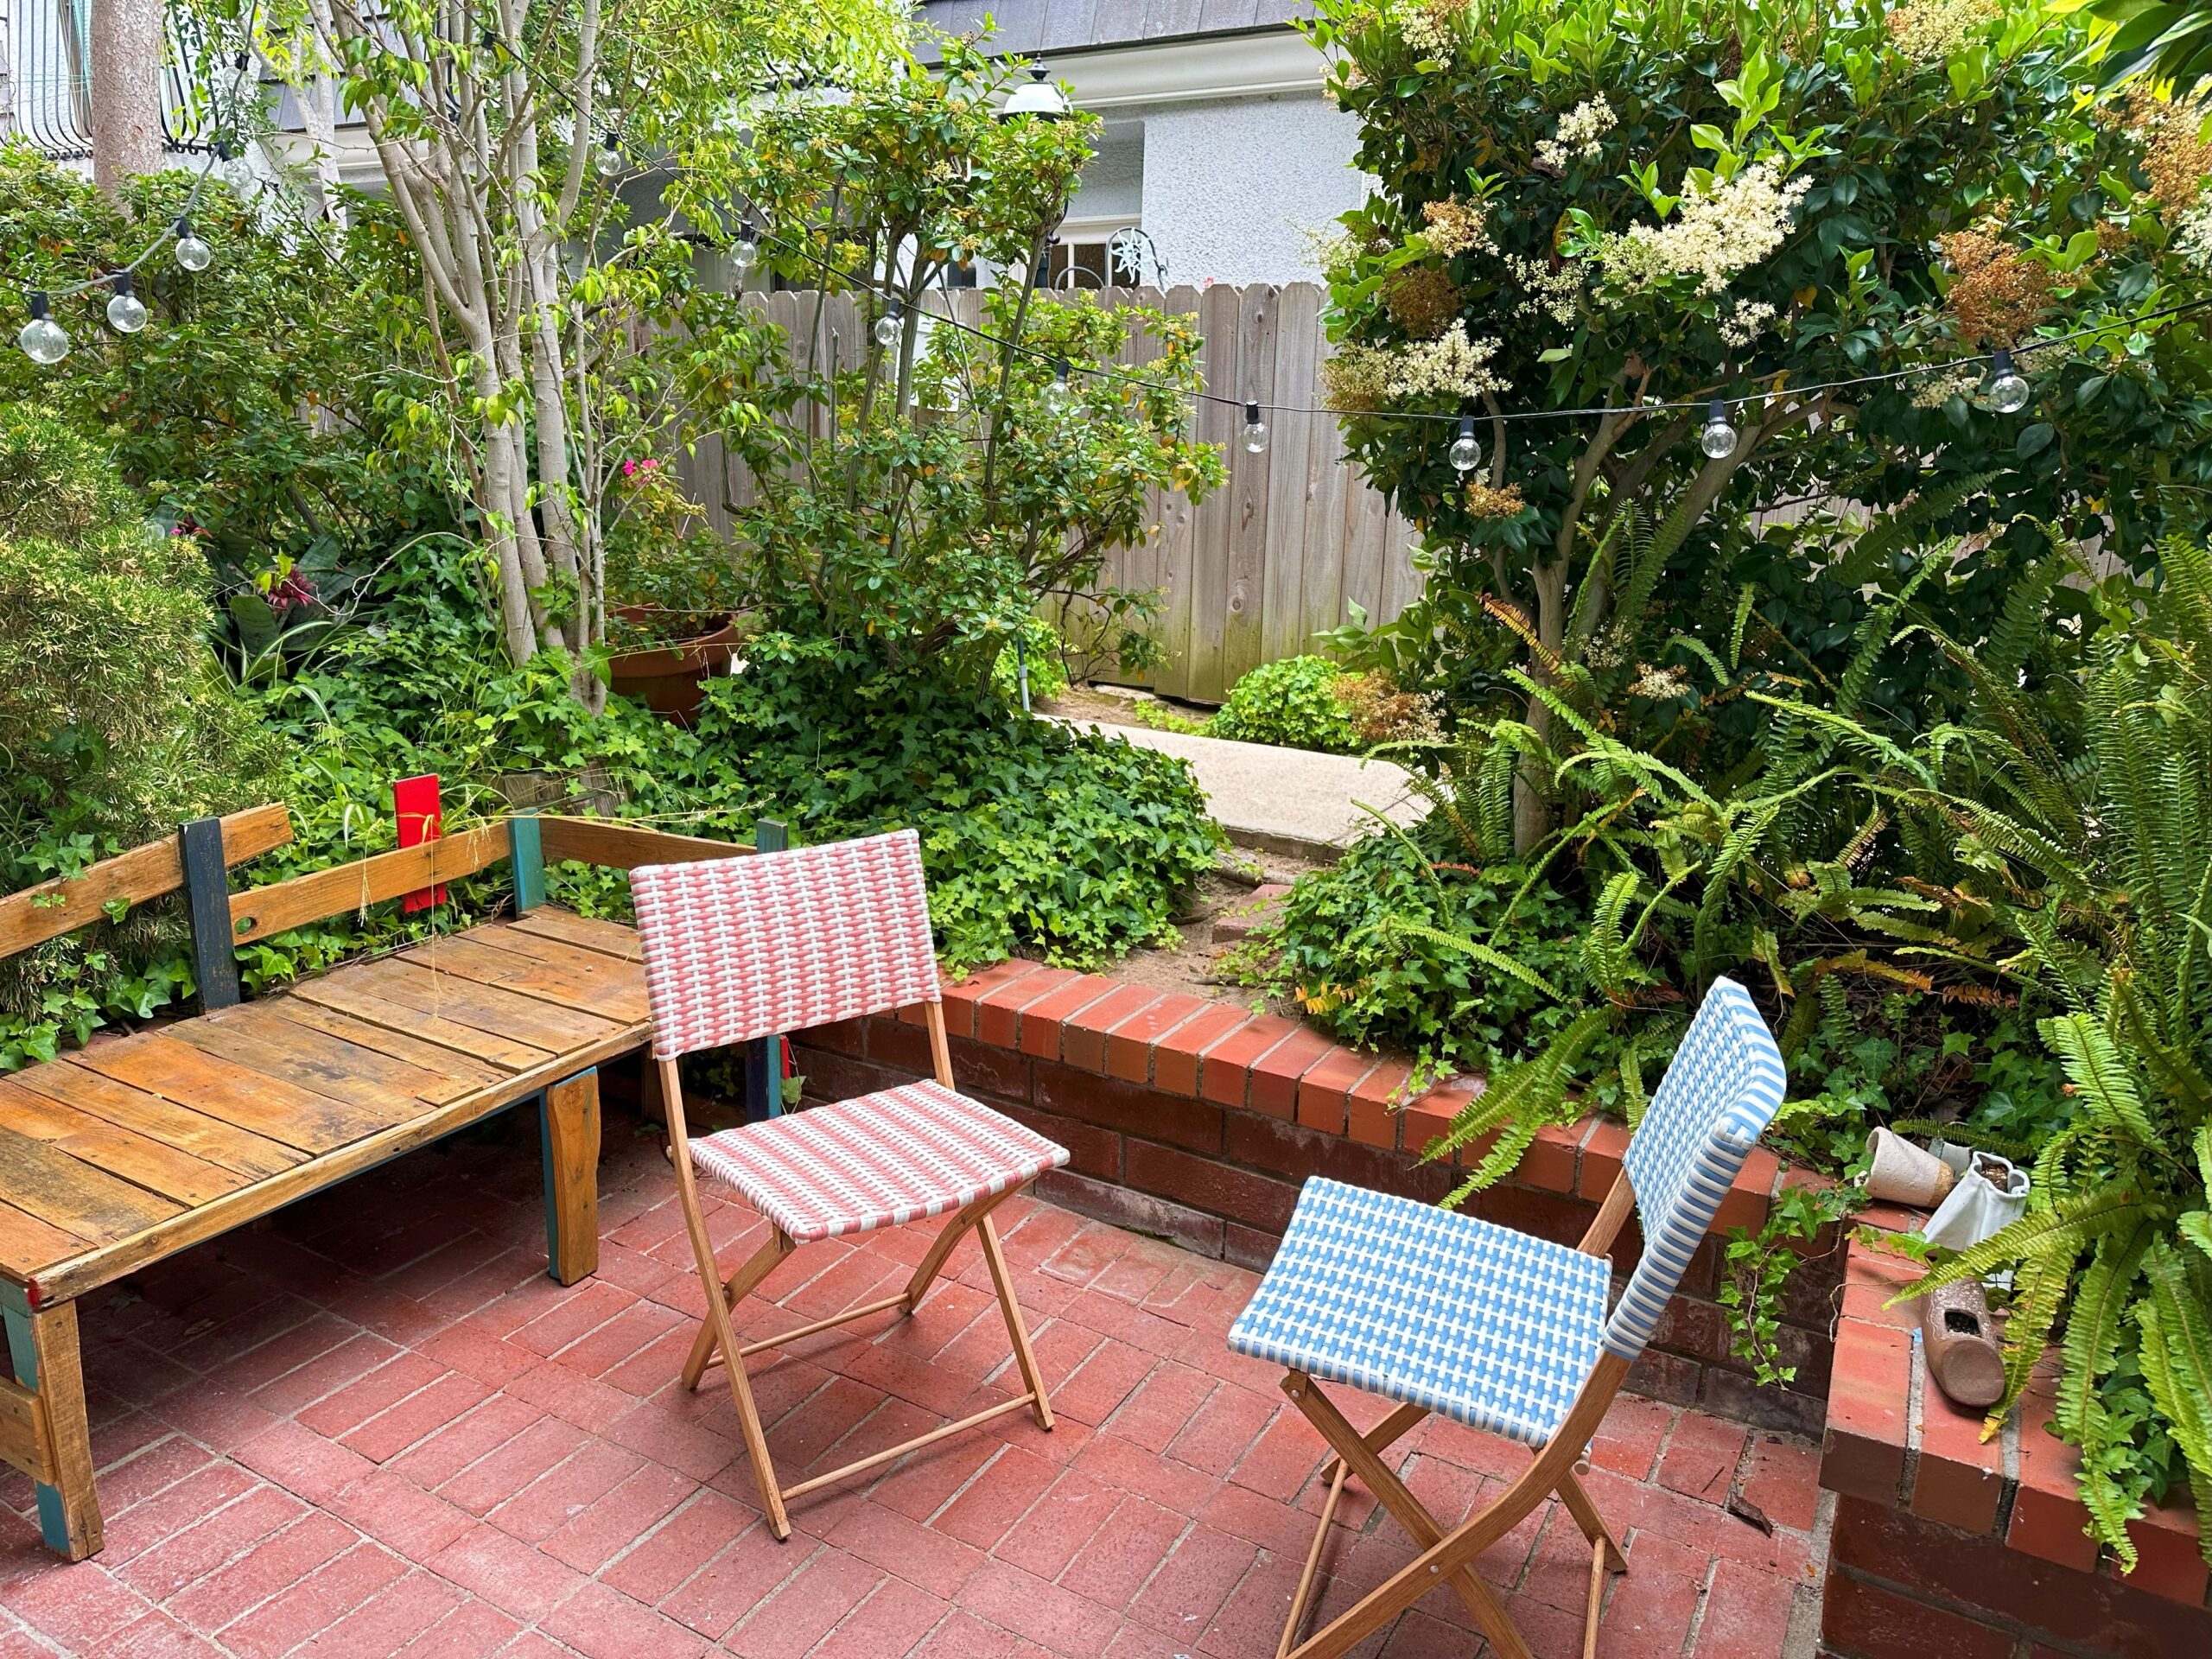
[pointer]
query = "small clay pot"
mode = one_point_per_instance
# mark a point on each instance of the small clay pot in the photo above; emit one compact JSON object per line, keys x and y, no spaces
{"x":1900,"y":1172}
{"x":1959,"y":1337}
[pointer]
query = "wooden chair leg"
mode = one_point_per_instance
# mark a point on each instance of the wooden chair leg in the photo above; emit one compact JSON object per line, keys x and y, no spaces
{"x":42,"y":1349}
{"x":718,"y":1333}
{"x":734,"y":1289}
{"x":1379,"y":1440}
{"x":1313,"y":1562}
{"x":941,"y":1247}
{"x":568,"y":1125}
{"x":1481,"y":1605}
{"x":1032,"y":1378}
{"x":1576,"y":1497}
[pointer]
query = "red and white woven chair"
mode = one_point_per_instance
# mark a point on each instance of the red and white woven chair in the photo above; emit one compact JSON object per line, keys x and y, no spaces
{"x":738,"y":948}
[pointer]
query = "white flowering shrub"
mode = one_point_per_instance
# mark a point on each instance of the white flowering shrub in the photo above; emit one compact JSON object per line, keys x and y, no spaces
{"x":1635,"y":207}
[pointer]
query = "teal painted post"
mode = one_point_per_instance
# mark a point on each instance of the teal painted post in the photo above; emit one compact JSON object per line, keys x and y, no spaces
{"x":764,"y":1064}
{"x":528,"y":857}
{"x":22,"y":1356}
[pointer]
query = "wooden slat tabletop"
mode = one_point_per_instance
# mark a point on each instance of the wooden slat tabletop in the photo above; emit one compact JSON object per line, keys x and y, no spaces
{"x":114,"y":1156}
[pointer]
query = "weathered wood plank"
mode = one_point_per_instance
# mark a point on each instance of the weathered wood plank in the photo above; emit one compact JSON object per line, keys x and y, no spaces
{"x":1285,"y":617}
{"x":193,"y":1133}
{"x":260,"y":913}
{"x":322,"y":1066}
{"x":26,"y":1243}
{"x":1220,"y":315}
{"x":548,"y":1026}
{"x":460,"y":1066}
{"x":67,"y":902}
{"x":571,"y":1127}
{"x":1251,"y":481}
{"x":42,"y":1349}
{"x":268,"y":1106}
{"x":24,"y":1442}
{"x":63,"y":1278}
{"x":612,"y":938}
{"x":122,"y":1152}
{"x":347,"y":992}
{"x":619,"y":846}
{"x":616,"y":995}
{"x":597,"y":967}
{"x":73,"y":1196}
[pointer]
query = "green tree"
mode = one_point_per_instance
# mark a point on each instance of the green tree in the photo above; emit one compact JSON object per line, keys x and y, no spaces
{"x":920,"y":502}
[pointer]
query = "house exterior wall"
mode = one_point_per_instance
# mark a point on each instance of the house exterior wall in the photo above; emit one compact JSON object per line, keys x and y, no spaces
{"x":1234,"y":188}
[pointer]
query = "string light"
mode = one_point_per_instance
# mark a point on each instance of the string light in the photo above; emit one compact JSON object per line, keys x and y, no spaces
{"x":237,"y":170}
{"x":2008,"y":387}
{"x":1466,"y":451}
{"x":746,"y":253}
{"x":608,"y":162}
{"x":1256,"y":430}
{"x":43,"y":340}
{"x":192,"y":253}
{"x":1719,"y":438}
{"x":1059,"y":396}
{"x":886,"y":325}
{"x":127,"y":312}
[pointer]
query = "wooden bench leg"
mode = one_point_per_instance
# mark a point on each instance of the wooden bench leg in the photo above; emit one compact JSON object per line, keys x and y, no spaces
{"x":42,"y":1346}
{"x":568,"y":1117}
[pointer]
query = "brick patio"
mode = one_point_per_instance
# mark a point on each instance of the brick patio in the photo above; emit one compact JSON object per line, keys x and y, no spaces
{"x":374,"y":1427}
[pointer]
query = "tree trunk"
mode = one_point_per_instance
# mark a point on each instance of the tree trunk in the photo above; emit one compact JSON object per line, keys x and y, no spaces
{"x":126,"y":65}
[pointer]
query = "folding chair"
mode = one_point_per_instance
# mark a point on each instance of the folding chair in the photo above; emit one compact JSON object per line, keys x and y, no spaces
{"x":736,"y":949}
{"x":1508,"y":1333}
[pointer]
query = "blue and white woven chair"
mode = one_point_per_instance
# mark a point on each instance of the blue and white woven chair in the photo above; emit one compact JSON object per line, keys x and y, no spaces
{"x":1509,"y":1333}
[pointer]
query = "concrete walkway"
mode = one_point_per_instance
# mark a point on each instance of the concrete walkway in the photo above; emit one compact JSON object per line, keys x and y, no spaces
{"x":1285,"y":800}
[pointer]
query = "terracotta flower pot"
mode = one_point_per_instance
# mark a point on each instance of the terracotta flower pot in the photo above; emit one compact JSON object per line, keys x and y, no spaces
{"x":670,"y":679}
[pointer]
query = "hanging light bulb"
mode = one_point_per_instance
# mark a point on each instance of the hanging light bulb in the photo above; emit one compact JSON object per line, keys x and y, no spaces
{"x":886,"y":325}
{"x":1467,"y":453}
{"x":2008,"y":387}
{"x":237,"y":170}
{"x":43,"y":340}
{"x":1718,"y":439}
{"x":607,"y":162}
{"x":490,"y":48}
{"x":191,"y":253}
{"x":1256,"y":430}
{"x":1059,"y":396}
{"x":746,"y":254}
{"x":127,"y":312}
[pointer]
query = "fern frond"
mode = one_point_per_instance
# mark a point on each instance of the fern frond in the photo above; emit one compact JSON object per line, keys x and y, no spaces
{"x":1495,"y":960}
{"x":2176,"y":1360}
{"x":2093,"y":1323}
{"x":2099,"y":1073}
{"x":2061,"y":1232}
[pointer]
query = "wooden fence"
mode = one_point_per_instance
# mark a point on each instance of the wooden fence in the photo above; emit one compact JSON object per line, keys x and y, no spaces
{"x":1280,"y":551}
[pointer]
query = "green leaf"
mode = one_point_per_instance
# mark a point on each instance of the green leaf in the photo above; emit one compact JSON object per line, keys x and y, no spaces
{"x":2035,"y":438}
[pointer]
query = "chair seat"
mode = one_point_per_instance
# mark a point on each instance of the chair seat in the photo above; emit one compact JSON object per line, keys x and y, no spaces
{"x":876,"y":1160}
{"x":1477,"y":1322}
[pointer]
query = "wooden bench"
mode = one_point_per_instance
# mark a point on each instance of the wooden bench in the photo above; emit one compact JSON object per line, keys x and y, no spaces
{"x":134,"y":1147}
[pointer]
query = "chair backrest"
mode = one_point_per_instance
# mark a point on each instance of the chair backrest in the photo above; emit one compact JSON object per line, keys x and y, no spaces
{"x":738,"y":948}
{"x":1721,"y":1089}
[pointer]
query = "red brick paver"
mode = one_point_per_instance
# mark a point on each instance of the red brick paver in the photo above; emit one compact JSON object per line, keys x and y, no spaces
{"x":376,"y":1427}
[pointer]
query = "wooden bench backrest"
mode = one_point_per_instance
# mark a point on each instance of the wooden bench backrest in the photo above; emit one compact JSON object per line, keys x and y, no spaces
{"x":69,"y":902}
{"x":195,"y":860}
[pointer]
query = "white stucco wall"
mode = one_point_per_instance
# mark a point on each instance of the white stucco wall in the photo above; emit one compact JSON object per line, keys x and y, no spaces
{"x":1231,"y":188}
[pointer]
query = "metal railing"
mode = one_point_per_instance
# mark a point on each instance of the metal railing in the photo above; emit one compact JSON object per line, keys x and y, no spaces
{"x":45,"y":83}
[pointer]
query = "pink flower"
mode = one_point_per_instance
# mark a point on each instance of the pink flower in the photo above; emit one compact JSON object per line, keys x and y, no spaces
{"x":629,"y":469}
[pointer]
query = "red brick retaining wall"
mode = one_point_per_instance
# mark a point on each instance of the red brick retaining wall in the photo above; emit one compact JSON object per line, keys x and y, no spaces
{"x":1198,"y":1120}
{"x":1945,"y":1543}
